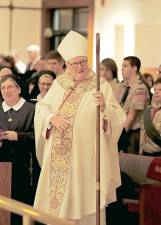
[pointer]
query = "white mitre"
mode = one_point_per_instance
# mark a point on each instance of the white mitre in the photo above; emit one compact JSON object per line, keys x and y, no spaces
{"x":73,"y":45}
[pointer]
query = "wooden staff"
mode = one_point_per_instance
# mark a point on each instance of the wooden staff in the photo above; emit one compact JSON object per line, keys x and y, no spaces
{"x":98,"y":132}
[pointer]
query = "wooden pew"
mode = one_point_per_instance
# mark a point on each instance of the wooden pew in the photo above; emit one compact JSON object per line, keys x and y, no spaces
{"x":136,"y":167}
{"x":5,"y":189}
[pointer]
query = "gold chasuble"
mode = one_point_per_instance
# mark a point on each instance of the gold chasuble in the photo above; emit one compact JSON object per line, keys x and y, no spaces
{"x":62,"y":141}
{"x":67,"y":181}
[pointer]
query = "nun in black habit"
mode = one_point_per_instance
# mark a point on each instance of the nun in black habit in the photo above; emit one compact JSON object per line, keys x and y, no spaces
{"x":18,"y":143}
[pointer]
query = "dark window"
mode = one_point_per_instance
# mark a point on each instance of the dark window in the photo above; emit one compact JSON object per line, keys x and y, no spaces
{"x":64,"y":20}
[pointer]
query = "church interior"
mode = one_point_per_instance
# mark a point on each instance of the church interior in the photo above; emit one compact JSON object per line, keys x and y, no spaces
{"x":31,"y":31}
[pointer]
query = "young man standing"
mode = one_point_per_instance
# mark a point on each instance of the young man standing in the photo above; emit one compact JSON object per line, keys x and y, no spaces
{"x":55,"y":62}
{"x":134,"y":97}
{"x":150,"y":137}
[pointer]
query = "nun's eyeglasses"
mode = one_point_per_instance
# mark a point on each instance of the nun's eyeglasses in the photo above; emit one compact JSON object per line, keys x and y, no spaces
{"x":81,"y":63}
{"x":45,"y":84}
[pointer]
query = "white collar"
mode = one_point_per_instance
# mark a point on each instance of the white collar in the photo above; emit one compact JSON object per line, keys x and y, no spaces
{"x":15,"y":107}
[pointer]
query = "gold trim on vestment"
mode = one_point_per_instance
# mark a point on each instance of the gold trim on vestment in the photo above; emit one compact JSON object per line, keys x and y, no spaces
{"x":62,"y":141}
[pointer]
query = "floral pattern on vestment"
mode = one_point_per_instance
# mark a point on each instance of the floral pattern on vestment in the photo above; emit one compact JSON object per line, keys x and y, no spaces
{"x":62,"y":141}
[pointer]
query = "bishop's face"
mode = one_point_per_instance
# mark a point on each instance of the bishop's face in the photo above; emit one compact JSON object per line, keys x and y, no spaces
{"x":78,"y":66}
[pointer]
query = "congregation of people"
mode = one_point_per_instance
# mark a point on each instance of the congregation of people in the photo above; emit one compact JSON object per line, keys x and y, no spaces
{"x":23,"y":86}
{"x":137,"y":93}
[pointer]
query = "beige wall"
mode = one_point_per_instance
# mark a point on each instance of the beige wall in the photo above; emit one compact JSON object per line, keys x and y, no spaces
{"x":127,"y":27}
{"x":26,"y":26}
{"x":130,"y":27}
{"x":4,"y":36}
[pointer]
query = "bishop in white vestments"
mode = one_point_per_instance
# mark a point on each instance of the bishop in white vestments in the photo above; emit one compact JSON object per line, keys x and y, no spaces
{"x":65,"y":126}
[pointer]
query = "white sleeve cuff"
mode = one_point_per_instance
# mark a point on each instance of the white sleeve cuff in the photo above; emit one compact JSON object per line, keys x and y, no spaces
{"x":47,"y":124}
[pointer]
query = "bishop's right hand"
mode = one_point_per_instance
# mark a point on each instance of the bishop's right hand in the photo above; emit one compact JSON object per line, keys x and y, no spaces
{"x":59,"y":122}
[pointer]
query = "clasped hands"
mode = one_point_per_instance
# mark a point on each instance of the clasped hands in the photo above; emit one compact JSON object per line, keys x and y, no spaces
{"x":59,"y":122}
{"x":8,"y":135}
{"x":62,"y":124}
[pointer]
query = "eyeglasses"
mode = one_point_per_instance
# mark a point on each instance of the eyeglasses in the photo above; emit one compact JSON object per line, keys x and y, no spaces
{"x":46,"y":84}
{"x":8,"y":87}
{"x":81,"y":63}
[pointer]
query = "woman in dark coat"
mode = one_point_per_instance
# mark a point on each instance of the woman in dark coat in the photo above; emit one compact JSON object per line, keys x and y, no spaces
{"x":18,"y":144}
